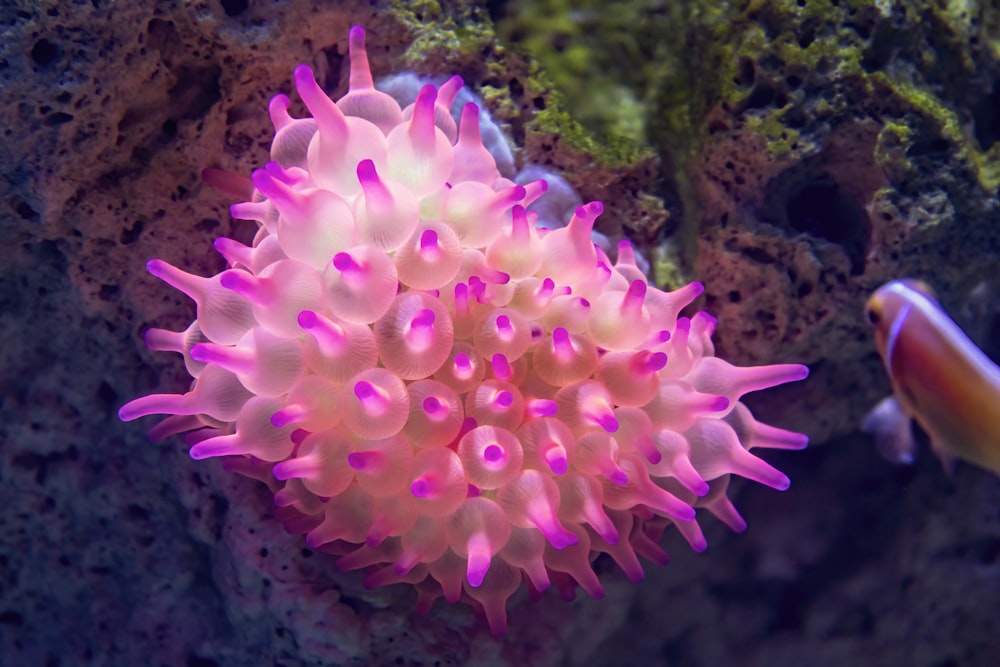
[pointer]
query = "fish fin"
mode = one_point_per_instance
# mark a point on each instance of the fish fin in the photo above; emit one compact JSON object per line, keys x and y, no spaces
{"x":923,"y":288}
{"x":891,"y":428}
{"x":945,"y":456}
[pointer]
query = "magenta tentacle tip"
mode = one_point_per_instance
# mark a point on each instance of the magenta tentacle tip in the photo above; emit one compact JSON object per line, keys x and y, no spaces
{"x":619,"y":478}
{"x":344,"y":263}
{"x":308,"y":319}
{"x":366,"y":172}
{"x":719,"y":404}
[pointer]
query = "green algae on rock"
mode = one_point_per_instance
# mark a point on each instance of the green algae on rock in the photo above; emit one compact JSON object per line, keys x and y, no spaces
{"x":810,"y":150}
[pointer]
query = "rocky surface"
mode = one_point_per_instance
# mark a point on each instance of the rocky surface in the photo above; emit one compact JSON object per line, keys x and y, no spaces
{"x":851,"y":146}
{"x":808,"y":151}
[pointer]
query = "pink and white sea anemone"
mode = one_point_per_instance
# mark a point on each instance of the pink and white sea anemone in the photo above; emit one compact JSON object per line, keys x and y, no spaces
{"x":437,"y":390}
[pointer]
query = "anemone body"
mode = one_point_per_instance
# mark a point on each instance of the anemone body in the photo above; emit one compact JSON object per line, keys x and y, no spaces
{"x":449,"y":395}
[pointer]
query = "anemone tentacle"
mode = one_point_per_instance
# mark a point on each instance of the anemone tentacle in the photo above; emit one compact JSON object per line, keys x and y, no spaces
{"x":463,"y":399}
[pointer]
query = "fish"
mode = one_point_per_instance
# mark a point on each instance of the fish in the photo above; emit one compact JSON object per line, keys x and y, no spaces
{"x":940,"y":379}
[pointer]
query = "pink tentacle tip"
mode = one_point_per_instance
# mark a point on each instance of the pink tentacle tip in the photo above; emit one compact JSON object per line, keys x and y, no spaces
{"x":646,"y":363}
{"x":422,"y":129}
{"x":504,"y":399}
{"x":504,"y":327}
{"x":542,"y":407}
{"x":308,"y":319}
{"x":608,"y":422}
{"x":501,"y":367}
{"x":463,"y":366}
{"x":430,"y":248}
{"x":367,"y":174}
{"x":155,"y":267}
{"x":344,"y":263}
{"x":781,"y":482}
{"x":493,"y":453}
{"x":364,"y":390}
{"x":619,"y":477}
{"x":362,"y":460}
{"x":561,"y":341}
{"x":283,"y":417}
{"x":423,"y":319}
{"x":556,"y":459}
{"x":278,"y":111}
{"x":797,"y":372}
{"x":635,"y":294}
{"x":201,"y":353}
{"x":420,"y":488}
{"x":303,"y":73}
{"x":356,"y":38}
{"x":433,"y":406}
{"x":560,"y":538}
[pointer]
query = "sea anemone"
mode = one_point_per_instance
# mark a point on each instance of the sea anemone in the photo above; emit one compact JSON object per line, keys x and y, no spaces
{"x":439,"y":391}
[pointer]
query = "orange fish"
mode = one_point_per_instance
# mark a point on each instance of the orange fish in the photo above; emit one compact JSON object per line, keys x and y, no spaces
{"x":939,"y":378}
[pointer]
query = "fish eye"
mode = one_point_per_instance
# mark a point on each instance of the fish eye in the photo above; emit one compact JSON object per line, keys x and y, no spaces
{"x":872,"y":315}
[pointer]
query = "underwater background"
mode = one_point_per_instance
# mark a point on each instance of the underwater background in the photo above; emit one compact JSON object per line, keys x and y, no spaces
{"x":791,"y":155}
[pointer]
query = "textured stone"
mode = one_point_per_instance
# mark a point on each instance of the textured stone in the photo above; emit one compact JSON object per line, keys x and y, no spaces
{"x":118,"y":551}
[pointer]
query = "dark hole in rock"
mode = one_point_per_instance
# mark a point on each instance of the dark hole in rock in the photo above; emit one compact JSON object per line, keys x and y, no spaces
{"x":880,"y":50}
{"x":497,"y":9}
{"x":928,"y":146}
{"x":11,"y":617}
{"x":986,"y":119}
{"x":57,"y":118}
{"x":198,"y":661}
{"x":335,"y":62}
{"x":108,"y":292}
{"x":47,"y":253}
{"x":207,"y":225}
{"x":516,"y":88}
{"x":107,"y":395}
{"x":162,"y":35}
{"x":24,"y":209}
{"x":169,"y":128}
{"x":561,"y":41}
{"x":863,"y":31}
{"x":195,"y":92}
{"x":45,"y":52}
{"x":131,"y":234}
{"x":795,"y":118}
{"x":761,"y":96}
{"x":746,"y":73}
{"x":235,"y":7}
{"x":821,"y":209}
